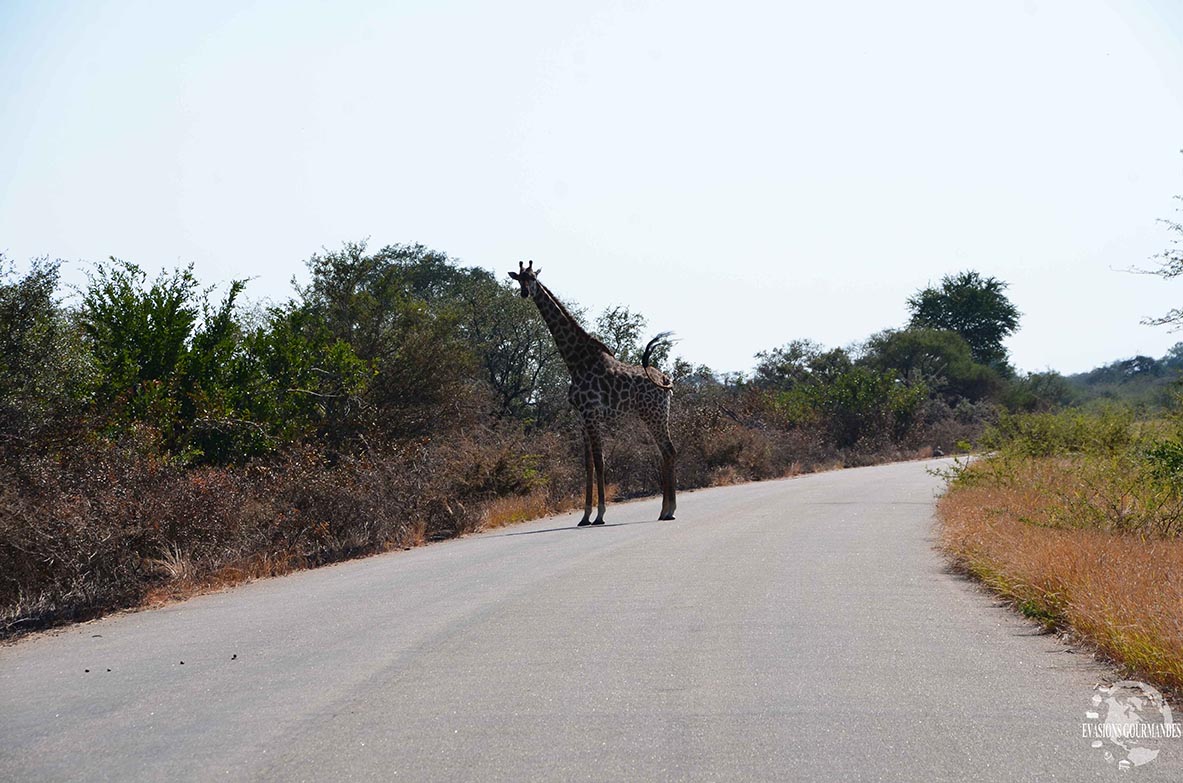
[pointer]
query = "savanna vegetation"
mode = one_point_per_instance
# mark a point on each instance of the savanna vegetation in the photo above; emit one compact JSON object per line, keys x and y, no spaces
{"x":1077,"y":518}
{"x":158,"y":435}
{"x":1076,"y":515}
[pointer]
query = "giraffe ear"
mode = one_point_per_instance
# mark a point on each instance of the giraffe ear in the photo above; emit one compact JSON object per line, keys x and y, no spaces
{"x":515,"y":275}
{"x":538,"y":271}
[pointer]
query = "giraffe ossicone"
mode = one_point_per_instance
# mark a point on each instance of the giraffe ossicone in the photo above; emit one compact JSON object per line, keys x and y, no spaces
{"x":604,"y":389}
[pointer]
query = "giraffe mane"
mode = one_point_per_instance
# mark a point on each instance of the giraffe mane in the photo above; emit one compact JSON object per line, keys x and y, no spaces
{"x":574,"y":322}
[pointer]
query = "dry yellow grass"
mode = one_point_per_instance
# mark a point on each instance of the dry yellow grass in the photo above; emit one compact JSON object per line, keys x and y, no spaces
{"x":513,"y":509}
{"x":1121,"y":591}
{"x":189,"y":583}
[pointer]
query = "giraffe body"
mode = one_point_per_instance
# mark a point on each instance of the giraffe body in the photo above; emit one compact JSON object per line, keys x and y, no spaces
{"x":603,"y":390}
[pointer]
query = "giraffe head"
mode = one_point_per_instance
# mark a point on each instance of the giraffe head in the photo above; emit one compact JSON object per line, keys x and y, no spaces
{"x":527,"y":277}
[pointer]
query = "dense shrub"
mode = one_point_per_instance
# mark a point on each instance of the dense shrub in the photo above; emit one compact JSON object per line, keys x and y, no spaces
{"x":1065,"y":432}
{"x":113,"y":521}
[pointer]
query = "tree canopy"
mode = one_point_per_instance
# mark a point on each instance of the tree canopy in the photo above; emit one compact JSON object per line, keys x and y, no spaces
{"x":974,"y":307}
{"x":940,"y":359}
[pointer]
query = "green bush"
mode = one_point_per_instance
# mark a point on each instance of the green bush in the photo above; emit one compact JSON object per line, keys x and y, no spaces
{"x":1066,"y":432}
{"x":164,"y":355}
{"x":1106,"y":470}
{"x":46,"y":373}
{"x":856,"y":405}
{"x":939,"y":359}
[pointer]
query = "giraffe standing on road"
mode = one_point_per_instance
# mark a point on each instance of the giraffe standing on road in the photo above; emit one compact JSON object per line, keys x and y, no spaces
{"x":603,"y":389}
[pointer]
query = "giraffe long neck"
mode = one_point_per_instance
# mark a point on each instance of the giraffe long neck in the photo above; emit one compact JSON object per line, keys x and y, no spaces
{"x":576,"y":346}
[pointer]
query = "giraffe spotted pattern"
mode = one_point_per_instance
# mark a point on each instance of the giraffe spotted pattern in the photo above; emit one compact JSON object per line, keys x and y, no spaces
{"x":604,"y":389}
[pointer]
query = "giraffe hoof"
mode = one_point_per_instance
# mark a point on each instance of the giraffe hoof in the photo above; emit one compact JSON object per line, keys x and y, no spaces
{"x":598,"y":522}
{"x":583,"y":522}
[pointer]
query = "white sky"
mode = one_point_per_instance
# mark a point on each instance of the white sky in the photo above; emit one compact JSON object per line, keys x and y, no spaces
{"x":742,"y":173}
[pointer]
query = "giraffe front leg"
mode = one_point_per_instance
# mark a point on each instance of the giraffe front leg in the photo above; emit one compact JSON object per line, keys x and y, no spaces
{"x":598,"y":461}
{"x":589,"y":472}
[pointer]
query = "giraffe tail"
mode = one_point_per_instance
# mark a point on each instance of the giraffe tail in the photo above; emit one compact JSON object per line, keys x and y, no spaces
{"x":661,"y":339}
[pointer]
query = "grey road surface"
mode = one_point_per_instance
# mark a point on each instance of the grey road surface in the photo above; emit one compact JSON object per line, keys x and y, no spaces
{"x":792,"y":630}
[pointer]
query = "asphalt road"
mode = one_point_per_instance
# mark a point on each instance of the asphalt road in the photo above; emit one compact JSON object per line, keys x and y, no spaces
{"x":799,"y":629}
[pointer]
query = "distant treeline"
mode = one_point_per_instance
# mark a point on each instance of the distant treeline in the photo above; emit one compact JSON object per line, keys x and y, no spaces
{"x":1141,"y":381}
{"x":154,"y":433}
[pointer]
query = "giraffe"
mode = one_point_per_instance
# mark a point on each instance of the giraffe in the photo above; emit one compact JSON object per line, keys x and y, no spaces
{"x":603,"y":389}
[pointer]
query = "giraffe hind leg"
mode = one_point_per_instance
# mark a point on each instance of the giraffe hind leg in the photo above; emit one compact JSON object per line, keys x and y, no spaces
{"x":668,"y":499}
{"x":659,"y":428}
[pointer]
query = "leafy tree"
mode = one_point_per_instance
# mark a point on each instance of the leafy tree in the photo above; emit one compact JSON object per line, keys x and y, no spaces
{"x":939,"y":359}
{"x":973,"y":306}
{"x":45,"y":372}
{"x":297,"y":379}
{"x":690,"y":379}
{"x":395,"y":309}
{"x":163,"y":353}
{"x":515,"y":351}
{"x":829,"y":365}
{"x":366,"y":299}
{"x":139,"y":335}
{"x":786,"y":366}
{"x":622,"y":331}
{"x":1173,"y":359}
{"x":798,"y":362}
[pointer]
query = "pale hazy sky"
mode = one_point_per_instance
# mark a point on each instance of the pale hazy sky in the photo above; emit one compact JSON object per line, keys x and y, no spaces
{"x":743,"y":173}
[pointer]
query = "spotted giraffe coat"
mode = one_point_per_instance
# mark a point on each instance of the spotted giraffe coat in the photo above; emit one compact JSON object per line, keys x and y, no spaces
{"x":603,"y":389}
